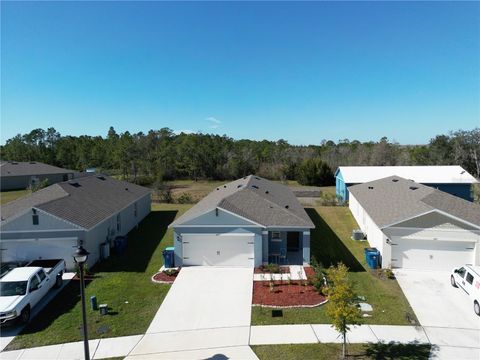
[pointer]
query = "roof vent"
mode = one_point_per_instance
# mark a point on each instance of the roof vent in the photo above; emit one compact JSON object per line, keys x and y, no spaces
{"x":126,"y":189}
{"x":370,"y":187}
{"x":75,"y":184}
{"x":286,"y":206}
{"x":101,"y":178}
{"x":255,"y":186}
{"x":257,"y":178}
{"x":239,"y":186}
{"x":395,"y":180}
{"x":413,"y":188}
{"x":462,"y":172}
{"x":224,"y":186}
{"x":218,"y":188}
{"x":266,"y":191}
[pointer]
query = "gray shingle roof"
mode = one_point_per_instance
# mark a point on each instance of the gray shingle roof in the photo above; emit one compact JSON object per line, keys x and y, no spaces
{"x":85,"y":201}
{"x":394,"y":199}
{"x":13,"y":168}
{"x":265,"y":202}
{"x":19,"y":206}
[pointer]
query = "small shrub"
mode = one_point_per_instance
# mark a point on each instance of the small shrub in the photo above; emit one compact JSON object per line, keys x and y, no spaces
{"x":144,"y":180}
{"x":171,"y":272}
{"x":389,"y":274}
{"x":185,"y":198}
{"x":272,"y":268}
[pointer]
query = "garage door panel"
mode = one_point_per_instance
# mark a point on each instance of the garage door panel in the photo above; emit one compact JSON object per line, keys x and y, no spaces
{"x":218,"y":249}
{"x":431,"y":254}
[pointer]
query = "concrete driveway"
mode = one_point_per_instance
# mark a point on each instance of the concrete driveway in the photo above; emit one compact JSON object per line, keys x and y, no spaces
{"x":445,"y":312}
{"x":205,"y":297}
{"x":206,"y":314}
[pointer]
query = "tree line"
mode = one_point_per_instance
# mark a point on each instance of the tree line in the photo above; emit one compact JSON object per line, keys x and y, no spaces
{"x":164,"y":155}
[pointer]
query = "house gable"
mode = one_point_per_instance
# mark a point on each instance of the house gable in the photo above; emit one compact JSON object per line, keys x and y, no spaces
{"x":436,"y":220}
{"x":46,"y":222}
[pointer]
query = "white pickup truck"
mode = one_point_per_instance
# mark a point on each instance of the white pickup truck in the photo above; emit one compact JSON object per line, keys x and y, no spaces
{"x":23,"y":287}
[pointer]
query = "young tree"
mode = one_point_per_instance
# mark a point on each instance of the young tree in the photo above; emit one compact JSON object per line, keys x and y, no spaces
{"x":341,"y":307}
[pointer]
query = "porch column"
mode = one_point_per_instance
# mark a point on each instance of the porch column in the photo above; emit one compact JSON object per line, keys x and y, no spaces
{"x":265,"y":246}
{"x":306,"y":246}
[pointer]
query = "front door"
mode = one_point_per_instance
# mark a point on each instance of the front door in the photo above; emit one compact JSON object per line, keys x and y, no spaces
{"x":293,"y":241}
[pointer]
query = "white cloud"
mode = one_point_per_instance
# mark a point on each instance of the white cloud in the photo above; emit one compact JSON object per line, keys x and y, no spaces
{"x":214,"y":122}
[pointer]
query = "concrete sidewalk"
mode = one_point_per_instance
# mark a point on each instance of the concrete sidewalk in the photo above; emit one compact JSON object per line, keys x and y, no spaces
{"x":233,"y":342}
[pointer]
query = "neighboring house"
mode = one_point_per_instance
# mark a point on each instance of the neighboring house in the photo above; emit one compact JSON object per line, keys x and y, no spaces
{"x":416,"y":226}
{"x":247,"y":222}
{"x":451,"y":179}
{"x":21,"y":175}
{"x":50,"y":222}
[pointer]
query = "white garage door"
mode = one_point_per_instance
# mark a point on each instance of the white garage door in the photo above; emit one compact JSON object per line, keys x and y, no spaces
{"x":31,"y":249}
{"x":431,"y":254}
{"x":218,"y":249}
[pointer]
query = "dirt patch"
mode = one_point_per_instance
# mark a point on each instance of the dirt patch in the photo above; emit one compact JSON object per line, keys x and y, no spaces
{"x":295,"y":294}
{"x":164,"y":278}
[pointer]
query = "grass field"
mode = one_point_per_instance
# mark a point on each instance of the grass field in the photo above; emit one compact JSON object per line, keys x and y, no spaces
{"x":122,"y":282}
{"x":331,"y":243}
{"x":333,"y":351}
{"x":7,"y":196}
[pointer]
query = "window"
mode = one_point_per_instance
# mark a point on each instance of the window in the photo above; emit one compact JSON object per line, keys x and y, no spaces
{"x":41,"y":274}
{"x":461,"y":272}
{"x":275,"y":236}
{"x":34,"y":283}
{"x":135,"y":209}
{"x":469,"y":278}
{"x":119,"y":225}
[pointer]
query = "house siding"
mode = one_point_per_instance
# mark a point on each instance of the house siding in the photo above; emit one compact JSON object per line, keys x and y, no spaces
{"x":23,"y":182}
{"x":106,"y":231}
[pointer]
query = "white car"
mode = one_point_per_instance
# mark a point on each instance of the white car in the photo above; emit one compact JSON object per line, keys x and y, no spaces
{"x":467,"y":278}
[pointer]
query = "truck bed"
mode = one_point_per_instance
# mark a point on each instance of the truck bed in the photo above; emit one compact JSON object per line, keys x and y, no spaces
{"x":48,"y":264}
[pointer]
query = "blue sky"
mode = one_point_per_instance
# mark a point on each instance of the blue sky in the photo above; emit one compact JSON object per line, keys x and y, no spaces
{"x":298,"y":71}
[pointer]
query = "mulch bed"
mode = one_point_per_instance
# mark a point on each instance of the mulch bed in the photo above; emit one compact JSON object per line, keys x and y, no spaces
{"x":283,"y":295}
{"x":163,"y":278}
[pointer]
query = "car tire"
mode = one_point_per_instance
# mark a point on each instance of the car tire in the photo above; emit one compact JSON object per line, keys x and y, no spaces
{"x":452,"y":281}
{"x":25,"y":315}
{"x":58,"y":281}
{"x":476,"y":307}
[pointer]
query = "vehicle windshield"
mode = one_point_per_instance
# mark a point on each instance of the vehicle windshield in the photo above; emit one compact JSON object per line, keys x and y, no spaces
{"x":12,"y":288}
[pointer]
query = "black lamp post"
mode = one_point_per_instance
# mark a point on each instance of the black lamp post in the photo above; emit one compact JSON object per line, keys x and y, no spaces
{"x":80,"y":256}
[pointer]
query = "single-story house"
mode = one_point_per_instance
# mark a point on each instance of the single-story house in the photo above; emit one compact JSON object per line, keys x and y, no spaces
{"x":21,"y":175}
{"x":91,"y":211}
{"x":416,"y":226}
{"x":247,"y":222}
{"x":452,"y":179}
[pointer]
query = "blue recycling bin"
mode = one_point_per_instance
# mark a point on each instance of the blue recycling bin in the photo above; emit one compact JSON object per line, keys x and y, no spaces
{"x":168,"y":257}
{"x":372,"y":256}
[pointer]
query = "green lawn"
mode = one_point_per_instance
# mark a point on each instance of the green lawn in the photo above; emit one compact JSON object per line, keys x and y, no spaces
{"x":7,"y":196}
{"x":331,"y":243}
{"x":333,"y":351}
{"x":122,"y":282}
